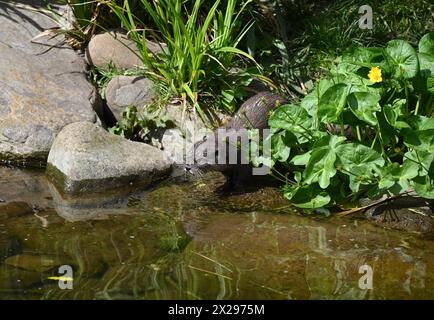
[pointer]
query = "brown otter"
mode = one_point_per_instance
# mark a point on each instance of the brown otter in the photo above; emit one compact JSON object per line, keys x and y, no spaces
{"x":253,"y":114}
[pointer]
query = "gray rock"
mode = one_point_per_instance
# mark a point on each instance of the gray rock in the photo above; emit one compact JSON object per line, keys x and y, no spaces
{"x":44,"y":85}
{"x":86,"y":158}
{"x":176,"y":143}
{"x":124,"y":91}
{"x":117,"y":48}
{"x":173,"y":144}
{"x":190,"y":124}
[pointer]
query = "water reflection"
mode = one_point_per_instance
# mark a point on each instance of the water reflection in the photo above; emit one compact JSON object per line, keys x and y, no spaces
{"x":184,"y":242}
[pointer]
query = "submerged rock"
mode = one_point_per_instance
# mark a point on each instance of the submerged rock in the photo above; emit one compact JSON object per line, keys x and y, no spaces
{"x":86,"y":158}
{"x":124,"y":91}
{"x":37,"y":263}
{"x":116,"y":48}
{"x":43,"y":86}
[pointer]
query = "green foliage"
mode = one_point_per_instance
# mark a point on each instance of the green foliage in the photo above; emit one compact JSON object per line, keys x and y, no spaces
{"x":136,"y":125}
{"x":309,"y":35}
{"x":200,"y":58}
{"x":361,"y":132}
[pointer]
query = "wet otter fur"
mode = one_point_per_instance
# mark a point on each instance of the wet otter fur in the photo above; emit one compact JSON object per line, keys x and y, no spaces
{"x":253,"y":114}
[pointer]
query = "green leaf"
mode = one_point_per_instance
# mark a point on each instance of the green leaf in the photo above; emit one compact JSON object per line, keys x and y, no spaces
{"x":396,"y":178}
{"x":321,"y":165}
{"x":402,"y":58}
{"x":424,"y":187}
{"x":421,"y":160}
{"x":310,"y":102}
{"x":364,"y":105}
{"x":281,"y":145}
{"x":427,"y":71}
{"x":294,"y":119}
{"x":359,"y":176}
{"x":421,"y":136}
{"x":357,"y":155}
{"x":302,"y":159}
{"x":307,"y":197}
{"x":426,"y":44}
{"x":359,"y":163}
{"x":394,"y":114}
{"x":332,"y":103}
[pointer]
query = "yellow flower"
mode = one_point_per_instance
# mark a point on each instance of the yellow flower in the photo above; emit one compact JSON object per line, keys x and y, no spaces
{"x":375,"y":75}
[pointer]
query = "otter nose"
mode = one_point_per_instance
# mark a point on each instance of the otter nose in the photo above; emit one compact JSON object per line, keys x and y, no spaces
{"x":188,"y":168}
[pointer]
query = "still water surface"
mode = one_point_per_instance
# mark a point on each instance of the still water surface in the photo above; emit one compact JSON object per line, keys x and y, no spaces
{"x":182,"y":241}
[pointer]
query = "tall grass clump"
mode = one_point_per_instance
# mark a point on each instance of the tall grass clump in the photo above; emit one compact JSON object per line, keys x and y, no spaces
{"x":200,"y":60}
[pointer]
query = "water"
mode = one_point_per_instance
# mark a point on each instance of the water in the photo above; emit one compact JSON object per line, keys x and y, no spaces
{"x":182,"y":241}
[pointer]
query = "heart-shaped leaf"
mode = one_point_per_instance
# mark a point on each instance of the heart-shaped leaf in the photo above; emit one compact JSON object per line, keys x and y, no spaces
{"x":402,"y":58}
{"x":364,"y":105}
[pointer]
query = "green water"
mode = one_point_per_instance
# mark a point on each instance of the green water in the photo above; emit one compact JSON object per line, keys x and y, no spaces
{"x":182,"y":241}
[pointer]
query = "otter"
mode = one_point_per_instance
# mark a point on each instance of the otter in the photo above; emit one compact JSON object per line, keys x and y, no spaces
{"x":253,"y":114}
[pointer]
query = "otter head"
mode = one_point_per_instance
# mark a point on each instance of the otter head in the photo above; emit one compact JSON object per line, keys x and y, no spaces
{"x":217,"y":152}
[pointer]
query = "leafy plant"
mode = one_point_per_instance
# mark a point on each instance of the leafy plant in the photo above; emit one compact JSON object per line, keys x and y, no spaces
{"x":366,"y":130}
{"x":200,"y":60}
{"x":136,"y":125}
{"x":309,"y":35}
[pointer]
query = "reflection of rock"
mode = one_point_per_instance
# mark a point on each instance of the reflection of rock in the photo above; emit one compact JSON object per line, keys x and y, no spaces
{"x":23,"y":186}
{"x":86,"y":158}
{"x":14,"y":209}
{"x":92,"y":206}
{"x":16,"y":279}
{"x":9,"y":247}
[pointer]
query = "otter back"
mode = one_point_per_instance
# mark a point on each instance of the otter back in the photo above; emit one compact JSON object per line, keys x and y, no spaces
{"x":254,"y":113}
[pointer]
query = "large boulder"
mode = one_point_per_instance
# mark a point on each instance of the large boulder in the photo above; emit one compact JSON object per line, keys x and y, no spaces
{"x":43,"y":85}
{"x":116,"y":48}
{"x":86,"y":158}
{"x":124,"y":91}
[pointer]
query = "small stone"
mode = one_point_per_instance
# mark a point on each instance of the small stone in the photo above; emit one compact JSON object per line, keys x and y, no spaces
{"x":124,"y":91}
{"x":116,"y":48}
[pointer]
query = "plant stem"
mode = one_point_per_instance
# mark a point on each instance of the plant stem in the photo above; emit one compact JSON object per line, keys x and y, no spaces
{"x":375,"y":140}
{"x":417,"y":105}
{"x":407,"y":98}
{"x":359,"y":136}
